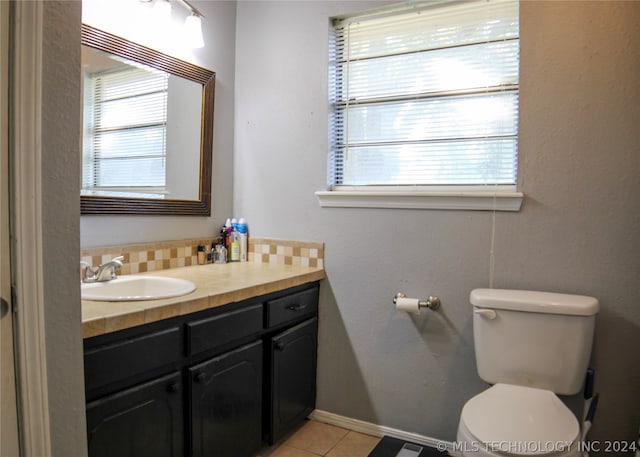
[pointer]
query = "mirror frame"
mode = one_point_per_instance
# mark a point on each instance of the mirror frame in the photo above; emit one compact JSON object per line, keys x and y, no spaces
{"x":112,"y":44}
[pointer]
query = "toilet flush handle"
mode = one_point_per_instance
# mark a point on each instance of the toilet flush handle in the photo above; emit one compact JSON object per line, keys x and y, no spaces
{"x":488,"y":313}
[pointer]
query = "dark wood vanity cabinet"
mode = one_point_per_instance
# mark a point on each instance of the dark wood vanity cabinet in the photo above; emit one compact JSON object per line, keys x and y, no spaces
{"x":292,"y":380}
{"x":144,"y":420}
{"x":226,"y":404}
{"x":291,"y":363}
{"x":217,"y":383}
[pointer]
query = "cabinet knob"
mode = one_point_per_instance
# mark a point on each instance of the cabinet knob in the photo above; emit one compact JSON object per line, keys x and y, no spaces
{"x":173,"y":387}
{"x":200,"y":377}
{"x":279,"y":345}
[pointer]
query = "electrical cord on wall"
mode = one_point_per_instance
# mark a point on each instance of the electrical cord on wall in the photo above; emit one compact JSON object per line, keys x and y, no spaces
{"x":492,"y":258}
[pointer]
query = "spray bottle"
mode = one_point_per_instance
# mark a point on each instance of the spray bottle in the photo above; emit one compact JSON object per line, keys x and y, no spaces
{"x":243,"y":230}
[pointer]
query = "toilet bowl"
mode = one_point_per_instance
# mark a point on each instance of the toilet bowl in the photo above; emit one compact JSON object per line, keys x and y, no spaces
{"x":507,"y":420}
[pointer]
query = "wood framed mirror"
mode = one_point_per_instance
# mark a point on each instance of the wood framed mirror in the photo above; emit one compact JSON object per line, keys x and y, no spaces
{"x":176,"y":181}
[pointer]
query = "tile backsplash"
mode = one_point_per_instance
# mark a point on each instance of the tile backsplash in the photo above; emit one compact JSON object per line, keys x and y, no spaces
{"x":140,"y":258}
{"x":305,"y":253}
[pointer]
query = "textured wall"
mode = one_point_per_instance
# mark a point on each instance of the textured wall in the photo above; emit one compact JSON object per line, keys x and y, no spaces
{"x":577,"y":232}
{"x":61,"y":120}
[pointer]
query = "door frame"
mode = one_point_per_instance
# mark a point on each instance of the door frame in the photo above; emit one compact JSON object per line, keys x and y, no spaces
{"x":9,"y":442}
{"x":26,"y":214}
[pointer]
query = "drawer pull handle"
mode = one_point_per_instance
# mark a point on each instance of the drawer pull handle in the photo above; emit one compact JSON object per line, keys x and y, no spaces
{"x":279,"y":345}
{"x":297,"y":307}
{"x":200,"y":377}
{"x":173,"y":387}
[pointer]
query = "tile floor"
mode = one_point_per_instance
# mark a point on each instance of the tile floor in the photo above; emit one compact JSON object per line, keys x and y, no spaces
{"x":315,"y":439}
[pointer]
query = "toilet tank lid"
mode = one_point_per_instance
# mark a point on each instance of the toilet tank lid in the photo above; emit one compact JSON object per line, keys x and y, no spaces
{"x":535,"y":302}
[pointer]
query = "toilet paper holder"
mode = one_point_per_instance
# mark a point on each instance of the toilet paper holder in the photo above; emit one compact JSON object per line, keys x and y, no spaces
{"x":433,"y":303}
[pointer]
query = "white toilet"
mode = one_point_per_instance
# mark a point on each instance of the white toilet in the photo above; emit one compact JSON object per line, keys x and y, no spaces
{"x":530,"y":346}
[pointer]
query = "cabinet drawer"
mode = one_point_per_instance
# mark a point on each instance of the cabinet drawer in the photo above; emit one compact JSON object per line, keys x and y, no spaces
{"x":123,"y":359}
{"x":216,"y":331}
{"x":292,"y":307}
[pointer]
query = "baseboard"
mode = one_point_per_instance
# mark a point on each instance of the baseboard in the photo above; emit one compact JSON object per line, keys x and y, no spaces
{"x":379,"y":430}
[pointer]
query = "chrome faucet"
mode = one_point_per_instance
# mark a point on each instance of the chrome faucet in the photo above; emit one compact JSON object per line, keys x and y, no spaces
{"x":104,"y":272}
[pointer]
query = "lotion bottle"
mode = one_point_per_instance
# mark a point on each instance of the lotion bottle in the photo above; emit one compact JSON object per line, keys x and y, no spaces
{"x":234,"y":246}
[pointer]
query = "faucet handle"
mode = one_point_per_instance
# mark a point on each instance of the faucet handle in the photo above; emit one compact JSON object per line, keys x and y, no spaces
{"x":86,"y":271}
{"x":116,"y":262}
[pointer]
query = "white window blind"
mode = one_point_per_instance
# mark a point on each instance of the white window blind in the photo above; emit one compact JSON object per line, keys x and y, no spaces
{"x":127,"y":132}
{"x":426,"y":95}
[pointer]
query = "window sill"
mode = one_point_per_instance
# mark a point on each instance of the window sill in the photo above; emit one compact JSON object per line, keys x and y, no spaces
{"x":474,"y":201}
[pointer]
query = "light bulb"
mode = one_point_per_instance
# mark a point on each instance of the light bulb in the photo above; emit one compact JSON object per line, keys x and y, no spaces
{"x":193,"y":31}
{"x":162,"y":10}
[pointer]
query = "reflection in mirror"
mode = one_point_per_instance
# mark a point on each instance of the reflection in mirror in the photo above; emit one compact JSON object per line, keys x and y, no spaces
{"x":147,"y":131}
{"x":141,"y":135}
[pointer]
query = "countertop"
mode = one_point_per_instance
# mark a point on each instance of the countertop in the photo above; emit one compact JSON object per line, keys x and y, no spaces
{"x":216,"y":285}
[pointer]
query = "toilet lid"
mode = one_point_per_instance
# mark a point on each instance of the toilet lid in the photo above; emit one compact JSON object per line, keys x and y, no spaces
{"x":520,"y":420}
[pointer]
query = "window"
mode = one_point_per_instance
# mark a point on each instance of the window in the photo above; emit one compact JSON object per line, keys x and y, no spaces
{"x":425,"y":98}
{"x":125,"y":132}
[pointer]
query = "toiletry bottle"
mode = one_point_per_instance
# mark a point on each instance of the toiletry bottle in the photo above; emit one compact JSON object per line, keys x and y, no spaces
{"x":234,"y":246}
{"x":201,"y":255}
{"x":223,"y":239}
{"x":208,"y":254}
{"x":243,"y":234}
{"x":226,"y":231}
{"x":220,"y":254}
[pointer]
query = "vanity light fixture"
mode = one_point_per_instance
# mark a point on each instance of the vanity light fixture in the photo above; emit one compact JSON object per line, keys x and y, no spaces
{"x":192,"y":28}
{"x":193,"y":31}
{"x":162,"y":10}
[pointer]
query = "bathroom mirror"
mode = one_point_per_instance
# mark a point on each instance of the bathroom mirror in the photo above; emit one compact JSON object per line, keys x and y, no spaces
{"x":147,"y":130}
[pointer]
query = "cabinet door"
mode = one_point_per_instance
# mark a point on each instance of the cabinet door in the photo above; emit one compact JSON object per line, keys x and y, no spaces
{"x":143,"y":420}
{"x":226,"y":404}
{"x":293,"y":377}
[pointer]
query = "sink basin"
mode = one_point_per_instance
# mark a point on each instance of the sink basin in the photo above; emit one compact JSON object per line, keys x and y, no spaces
{"x":132,"y":287}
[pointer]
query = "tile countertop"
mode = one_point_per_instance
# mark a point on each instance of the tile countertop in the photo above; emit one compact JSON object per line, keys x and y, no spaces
{"x":215,"y":285}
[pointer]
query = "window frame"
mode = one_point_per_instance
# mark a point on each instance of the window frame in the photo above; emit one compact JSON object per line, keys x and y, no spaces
{"x":496,"y":197}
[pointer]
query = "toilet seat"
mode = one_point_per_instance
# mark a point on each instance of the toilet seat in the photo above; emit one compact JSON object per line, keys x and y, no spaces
{"x":517,"y":420}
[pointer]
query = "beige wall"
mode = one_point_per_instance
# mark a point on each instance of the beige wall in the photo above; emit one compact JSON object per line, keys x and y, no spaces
{"x":577,"y":232}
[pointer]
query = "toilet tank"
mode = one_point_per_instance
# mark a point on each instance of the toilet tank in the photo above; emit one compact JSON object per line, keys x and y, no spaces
{"x":534,"y":339}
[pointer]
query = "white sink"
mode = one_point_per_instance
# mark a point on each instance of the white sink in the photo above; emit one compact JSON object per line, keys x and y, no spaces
{"x":132,"y":287}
